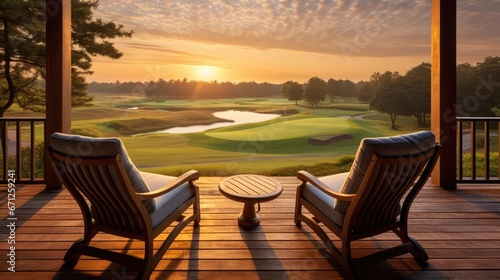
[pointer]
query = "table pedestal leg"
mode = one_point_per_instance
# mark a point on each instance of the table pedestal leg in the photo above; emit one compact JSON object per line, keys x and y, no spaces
{"x":248,"y":218}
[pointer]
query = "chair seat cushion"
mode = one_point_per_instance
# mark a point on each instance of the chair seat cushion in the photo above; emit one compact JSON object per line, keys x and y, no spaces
{"x":325,"y":203}
{"x":169,"y":202}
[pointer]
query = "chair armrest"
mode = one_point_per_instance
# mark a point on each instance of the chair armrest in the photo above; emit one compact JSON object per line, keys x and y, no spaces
{"x":306,"y":177}
{"x":189,"y":176}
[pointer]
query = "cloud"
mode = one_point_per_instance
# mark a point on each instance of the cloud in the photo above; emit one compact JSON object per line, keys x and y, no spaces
{"x":154,"y":51}
{"x":338,"y":27}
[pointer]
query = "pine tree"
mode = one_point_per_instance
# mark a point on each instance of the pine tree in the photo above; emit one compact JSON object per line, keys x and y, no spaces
{"x":22,"y":51}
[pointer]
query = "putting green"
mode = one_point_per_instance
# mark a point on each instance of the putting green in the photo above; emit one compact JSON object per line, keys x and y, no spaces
{"x":280,"y":130}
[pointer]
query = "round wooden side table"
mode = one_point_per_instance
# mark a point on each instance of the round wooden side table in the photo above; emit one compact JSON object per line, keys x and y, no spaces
{"x":250,"y":189}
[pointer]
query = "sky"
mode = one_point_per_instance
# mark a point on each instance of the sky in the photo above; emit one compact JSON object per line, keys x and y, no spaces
{"x":280,"y":40}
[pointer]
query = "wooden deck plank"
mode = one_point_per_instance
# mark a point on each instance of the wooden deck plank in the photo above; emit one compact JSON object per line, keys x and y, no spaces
{"x":459,"y":229}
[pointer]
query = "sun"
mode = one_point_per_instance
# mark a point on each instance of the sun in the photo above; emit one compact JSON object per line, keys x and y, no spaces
{"x":205,"y":73}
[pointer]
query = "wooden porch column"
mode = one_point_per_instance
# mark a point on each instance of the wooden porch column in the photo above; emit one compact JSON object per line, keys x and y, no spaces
{"x":443,"y":89}
{"x":58,"y":79}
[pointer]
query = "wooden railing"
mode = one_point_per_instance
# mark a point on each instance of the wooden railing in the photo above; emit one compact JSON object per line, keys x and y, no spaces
{"x":18,"y":134}
{"x":478,"y":139}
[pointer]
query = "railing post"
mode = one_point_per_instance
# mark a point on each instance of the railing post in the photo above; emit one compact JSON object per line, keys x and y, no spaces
{"x":443,"y":90}
{"x":58,"y":98}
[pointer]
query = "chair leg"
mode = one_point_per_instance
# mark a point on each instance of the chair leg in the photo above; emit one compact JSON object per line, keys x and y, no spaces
{"x":298,"y":207}
{"x":346,"y":259}
{"x":151,"y":264}
{"x":419,"y":253}
{"x":74,"y":252}
{"x":72,"y":255}
{"x":320,"y":233}
{"x":343,"y":257}
{"x":196,"y":207}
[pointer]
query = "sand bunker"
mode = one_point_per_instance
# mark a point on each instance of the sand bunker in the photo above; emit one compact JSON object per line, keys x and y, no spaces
{"x":328,"y":139}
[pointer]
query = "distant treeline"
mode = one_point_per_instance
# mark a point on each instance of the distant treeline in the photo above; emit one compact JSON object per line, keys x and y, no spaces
{"x":184,"y":89}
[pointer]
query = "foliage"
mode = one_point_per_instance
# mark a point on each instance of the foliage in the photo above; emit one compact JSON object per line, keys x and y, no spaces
{"x":418,"y":81}
{"x":184,"y":89}
{"x":365,"y":92}
{"x":22,"y":54}
{"x":26,"y":161}
{"x":409,"y":95}
{"x":332,"y":88}
{"x":315,"y":91}
{"x":478,"y":88}
{"x":339,"y":165}
{"x":89,"y":38}
{"x":391,"y":95}
{"x":480,"y":163}
{"x":22,"y":46}
{"x":293,"y":91}
{"x":337,"y":89}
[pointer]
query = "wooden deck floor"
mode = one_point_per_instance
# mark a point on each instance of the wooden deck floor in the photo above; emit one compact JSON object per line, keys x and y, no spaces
{"x":459,"y":229}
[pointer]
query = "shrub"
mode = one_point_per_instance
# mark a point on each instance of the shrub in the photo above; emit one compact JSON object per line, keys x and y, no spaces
{"x":341,"y":164}
{"x":480,"y":164}
{"x":26,"y":160}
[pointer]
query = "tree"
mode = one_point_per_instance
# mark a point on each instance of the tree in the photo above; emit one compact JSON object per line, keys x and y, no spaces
{"x":22,"y":54}
{"x":293,"y":91}
{"x":333,"y":88}
{"x":419,"y":87}
{"x":22,"y":46}
{"x":391,"y":95}
{"x":315,"y":91}
{"x":365,"y":91}
{"x":478,"y":88}
{"x":89,"y":38}
{"x":347,"y":89}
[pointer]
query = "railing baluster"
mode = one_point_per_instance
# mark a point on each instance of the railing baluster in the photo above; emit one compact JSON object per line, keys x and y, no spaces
{"x":5,"y":150}
{"x":486,"y":150}
{"x":19,"y":156}
{"x":488,"y":167}
{"x":473,"y":149}
{"x":18,"y":162}
{"x":460,"y":149}
{"x":33,"y":149}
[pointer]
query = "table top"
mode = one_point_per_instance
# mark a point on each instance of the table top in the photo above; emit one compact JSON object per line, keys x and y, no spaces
{"x":250,"y":188}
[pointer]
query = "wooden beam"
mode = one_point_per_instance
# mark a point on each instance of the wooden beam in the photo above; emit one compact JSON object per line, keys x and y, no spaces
{"x":443,"y":88}
{"x":58,"y":97}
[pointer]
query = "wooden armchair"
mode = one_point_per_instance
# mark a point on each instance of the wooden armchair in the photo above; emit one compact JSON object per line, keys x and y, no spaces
{"x":116,"y":198}
{"x":373,"y":198}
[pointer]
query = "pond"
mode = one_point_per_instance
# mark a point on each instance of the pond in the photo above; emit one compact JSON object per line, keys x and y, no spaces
{"x":236,"y":117}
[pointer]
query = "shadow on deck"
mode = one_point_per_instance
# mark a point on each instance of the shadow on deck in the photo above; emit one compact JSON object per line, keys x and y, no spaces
{"x":459,"y":229}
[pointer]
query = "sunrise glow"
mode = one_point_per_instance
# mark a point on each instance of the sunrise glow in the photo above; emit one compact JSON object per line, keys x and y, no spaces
{"x":205,"y":73}
{"x":277,"y":41}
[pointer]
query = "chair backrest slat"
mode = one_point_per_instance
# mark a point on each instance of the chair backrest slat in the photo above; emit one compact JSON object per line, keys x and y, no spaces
{"x":110,"y":202}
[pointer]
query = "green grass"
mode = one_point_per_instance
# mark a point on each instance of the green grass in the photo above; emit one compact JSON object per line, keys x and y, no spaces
{"x":279,"y":146}
{"x":339,"y":165}
{"x":276,"y":147}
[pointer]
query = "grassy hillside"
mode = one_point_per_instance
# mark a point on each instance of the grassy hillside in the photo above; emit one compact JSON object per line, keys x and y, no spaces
{"x":302,"y":138}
